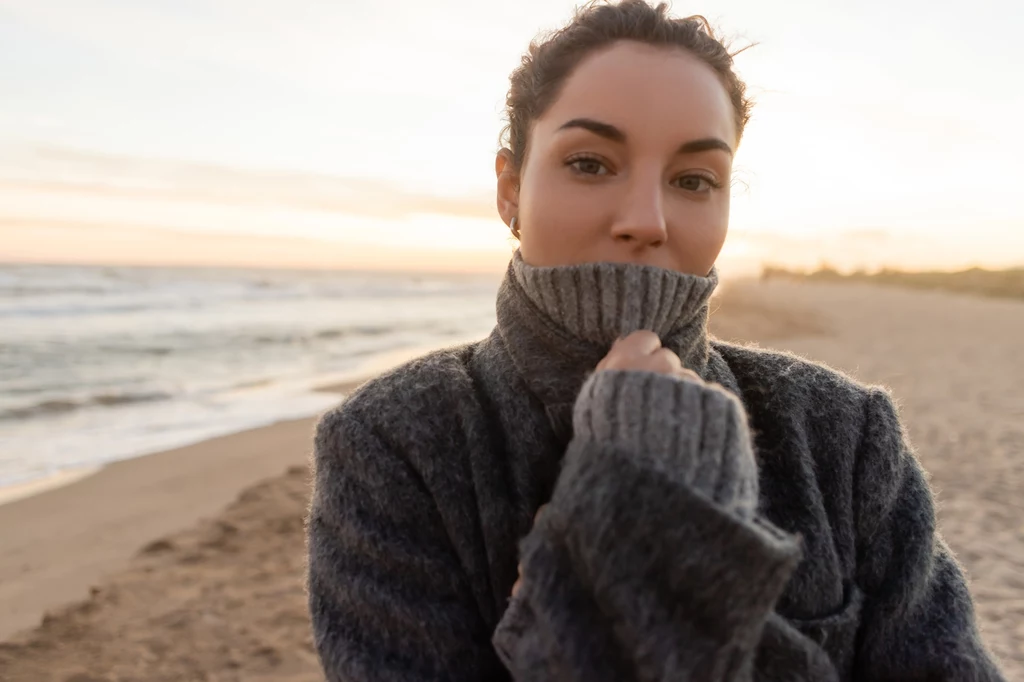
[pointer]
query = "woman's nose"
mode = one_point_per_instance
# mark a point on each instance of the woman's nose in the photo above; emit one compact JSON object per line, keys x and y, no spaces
{"x":643,"y":224}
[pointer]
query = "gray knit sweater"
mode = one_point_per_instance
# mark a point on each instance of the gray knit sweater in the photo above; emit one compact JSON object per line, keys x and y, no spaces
{"x":773,"y":524}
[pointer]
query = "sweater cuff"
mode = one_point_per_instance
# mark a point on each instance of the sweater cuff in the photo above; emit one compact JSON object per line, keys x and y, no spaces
{"x":628,"y":575}
{"x":693,"y":434}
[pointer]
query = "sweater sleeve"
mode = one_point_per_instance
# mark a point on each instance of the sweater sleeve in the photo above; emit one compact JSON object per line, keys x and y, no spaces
{"x":918,"y":618}
{"x":387,"y":595}
{"x":650,"y":562}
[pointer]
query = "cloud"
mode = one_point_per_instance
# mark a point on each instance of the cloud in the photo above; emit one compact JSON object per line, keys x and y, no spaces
{"x":52,"y":241}
{"x":59,"y":171}
{"x":325,"y":46}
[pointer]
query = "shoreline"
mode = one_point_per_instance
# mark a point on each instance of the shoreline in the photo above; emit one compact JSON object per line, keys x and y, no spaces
{"x":36,"y":486}
{"x":339,"y":383}
{"x":166,"y":491}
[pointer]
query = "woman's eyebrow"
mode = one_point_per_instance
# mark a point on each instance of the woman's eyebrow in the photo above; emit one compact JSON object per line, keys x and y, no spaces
{"x":610,"y":132}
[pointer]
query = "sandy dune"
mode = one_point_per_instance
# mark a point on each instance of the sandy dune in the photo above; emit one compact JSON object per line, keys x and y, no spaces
{"x":222,"y":600}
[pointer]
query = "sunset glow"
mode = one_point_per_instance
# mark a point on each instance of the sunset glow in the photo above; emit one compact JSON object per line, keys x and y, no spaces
{"x":323,"y":135}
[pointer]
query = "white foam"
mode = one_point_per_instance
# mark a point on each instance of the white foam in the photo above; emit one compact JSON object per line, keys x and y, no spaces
{"x":66,"y":447}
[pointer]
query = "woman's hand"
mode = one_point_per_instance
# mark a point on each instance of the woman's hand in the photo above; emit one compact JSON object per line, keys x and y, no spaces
{"x":642,"y":351}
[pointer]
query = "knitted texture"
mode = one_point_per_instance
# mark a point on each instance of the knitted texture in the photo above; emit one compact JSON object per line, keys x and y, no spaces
{"x":678,"y":429}
{"x":772,"y":523}
{"x":602,"y":301}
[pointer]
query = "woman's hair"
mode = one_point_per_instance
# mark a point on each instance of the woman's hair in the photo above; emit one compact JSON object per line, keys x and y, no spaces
{"x":535,"y":84}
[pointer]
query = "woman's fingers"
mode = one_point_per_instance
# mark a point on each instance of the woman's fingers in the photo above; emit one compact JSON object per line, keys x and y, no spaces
{"x":666,"y":362}
{"x":642,"y":351}
{"x":632,"y":352}
{"x":643,"y":342}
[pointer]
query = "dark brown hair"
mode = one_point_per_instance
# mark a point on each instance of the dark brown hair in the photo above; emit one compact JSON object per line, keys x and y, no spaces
{"x":535,"y":84}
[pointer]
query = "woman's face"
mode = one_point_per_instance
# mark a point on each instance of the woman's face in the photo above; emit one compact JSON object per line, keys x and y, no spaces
{"x":630,"y":164}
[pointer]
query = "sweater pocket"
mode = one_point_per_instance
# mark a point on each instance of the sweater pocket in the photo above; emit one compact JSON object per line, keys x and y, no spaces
{"x":836,"y":633}
{"x":818,"y":649}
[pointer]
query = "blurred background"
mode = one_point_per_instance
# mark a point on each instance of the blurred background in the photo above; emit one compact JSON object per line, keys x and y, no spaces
{"x":360,"y":134}
{"x":215,"y":215}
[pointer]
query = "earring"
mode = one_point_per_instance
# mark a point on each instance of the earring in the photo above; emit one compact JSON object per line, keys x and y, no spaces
{"x":514,"y":227}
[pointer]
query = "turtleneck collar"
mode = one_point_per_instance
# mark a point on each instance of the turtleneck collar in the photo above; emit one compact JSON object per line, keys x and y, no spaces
{"x":559,"y":322}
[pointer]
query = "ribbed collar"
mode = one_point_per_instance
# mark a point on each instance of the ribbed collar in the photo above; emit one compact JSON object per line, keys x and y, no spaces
{"x":559,"y":322}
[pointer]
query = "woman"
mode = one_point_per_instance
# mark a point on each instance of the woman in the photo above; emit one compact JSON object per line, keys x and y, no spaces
{"x":711,"y":512}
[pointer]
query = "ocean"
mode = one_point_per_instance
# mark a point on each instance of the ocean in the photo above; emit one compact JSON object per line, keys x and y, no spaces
{"x":99,"y":364}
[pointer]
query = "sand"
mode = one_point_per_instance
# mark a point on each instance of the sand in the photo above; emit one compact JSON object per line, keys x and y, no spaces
{"x":188,"y":565}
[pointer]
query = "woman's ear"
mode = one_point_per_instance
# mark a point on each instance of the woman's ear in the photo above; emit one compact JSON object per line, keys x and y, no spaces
{"x":508,"y":185}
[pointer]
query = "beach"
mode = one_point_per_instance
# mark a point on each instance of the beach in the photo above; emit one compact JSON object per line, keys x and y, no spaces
{"x":188,"y":564}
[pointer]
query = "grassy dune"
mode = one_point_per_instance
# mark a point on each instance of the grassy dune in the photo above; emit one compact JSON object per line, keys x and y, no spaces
{"x":978,"y":281}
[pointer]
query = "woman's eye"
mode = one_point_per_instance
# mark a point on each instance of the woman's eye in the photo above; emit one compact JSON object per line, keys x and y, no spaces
{"x":697,"y":183}
{"x":593,"y":167}
{"x":587,"y":166}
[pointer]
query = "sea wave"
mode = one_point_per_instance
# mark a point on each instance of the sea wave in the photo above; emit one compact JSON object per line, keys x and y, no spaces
{"x":61,"y":406}
{"x":98,"y":364}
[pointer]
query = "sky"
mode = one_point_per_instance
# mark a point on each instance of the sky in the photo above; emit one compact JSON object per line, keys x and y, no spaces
{"x":337,"y":133}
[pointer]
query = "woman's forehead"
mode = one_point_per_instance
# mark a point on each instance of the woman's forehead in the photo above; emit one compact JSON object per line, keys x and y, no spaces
{"x":649,"y":92}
